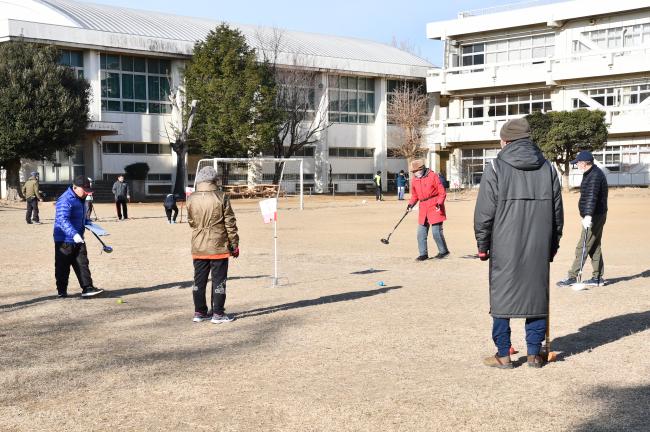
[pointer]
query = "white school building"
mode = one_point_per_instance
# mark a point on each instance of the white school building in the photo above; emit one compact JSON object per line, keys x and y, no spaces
{"x":505,"y":62}
{"x":130,"y":56}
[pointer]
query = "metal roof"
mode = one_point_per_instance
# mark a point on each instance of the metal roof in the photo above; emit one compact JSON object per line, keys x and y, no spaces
{"x":127,"y":21}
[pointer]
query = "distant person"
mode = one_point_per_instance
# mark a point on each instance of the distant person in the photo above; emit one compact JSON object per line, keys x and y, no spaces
{"x":400,"y":182}
{"x":518,"y":223}
{"x":32,"y":195}
{"x":69,"y":246}
{"x":89,"y":201}
{"x":377,"y":181}
{"x":122,"y":196}
{"x":426,"y":189}
{"x":593,"y":211}
{"x":214,"y":240}
{"x":170,"y":205}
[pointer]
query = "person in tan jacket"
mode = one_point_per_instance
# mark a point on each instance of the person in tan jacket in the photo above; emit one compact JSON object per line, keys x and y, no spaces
{"x":214,"y":240}
{"x":32,"y":196}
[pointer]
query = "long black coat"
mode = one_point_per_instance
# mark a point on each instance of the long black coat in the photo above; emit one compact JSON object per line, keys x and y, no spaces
{"x":519,"y":219}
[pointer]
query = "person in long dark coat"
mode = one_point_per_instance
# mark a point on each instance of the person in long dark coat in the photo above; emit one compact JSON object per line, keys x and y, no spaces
{"x":518,"y":223}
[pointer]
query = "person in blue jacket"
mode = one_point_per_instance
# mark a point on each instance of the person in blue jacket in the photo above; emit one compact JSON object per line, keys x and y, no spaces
{"x":400,"y":182}
{"x":69,"y":246}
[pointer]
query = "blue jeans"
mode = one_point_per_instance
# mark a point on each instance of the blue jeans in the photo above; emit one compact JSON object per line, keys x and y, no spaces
{"x":535,"y":332}
{"x":400,"y":192}
{"x":438,"y":237}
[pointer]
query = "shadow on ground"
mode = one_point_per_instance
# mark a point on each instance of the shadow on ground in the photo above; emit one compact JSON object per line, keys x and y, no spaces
{"x":625,"y":409}
{"x":335,"y":298}
{"x":613,"y":281}
{"x":600,"y":333}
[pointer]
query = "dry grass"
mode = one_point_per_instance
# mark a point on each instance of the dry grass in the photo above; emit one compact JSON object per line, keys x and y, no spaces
{"x":329,"y":350}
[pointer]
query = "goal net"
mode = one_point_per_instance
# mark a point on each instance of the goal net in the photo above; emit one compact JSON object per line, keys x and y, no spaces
{"x":258,"y":177}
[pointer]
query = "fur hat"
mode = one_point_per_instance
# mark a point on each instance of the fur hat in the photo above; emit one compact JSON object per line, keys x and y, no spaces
{"x":206,"y":175}
{"x":416,"y":165}
{"x":515,"y":129}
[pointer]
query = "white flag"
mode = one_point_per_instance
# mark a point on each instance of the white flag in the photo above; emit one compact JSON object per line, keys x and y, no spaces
{"x":269,"y":209}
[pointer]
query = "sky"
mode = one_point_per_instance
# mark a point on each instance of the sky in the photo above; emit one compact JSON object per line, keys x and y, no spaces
{"x":378,"y":20}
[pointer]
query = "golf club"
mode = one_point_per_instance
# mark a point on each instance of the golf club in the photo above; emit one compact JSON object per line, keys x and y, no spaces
{"x":387,"y":239}
{"x":105,"y":248}
{"x":579,"y":285}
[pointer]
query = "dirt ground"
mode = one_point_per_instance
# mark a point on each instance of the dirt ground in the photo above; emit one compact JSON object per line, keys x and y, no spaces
{"x":331,"y":349}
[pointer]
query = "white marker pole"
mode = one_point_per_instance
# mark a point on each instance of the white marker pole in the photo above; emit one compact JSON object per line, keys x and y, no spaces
{"x":275,"y":252}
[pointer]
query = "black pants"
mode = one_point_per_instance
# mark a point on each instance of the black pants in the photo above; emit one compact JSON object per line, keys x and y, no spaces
{"x":75,"y":255}
{"x":32,"y":207}
{"x":219,"y":270}
{"x":168,"y":212}
{"x":89,"y":210}
{"x":378,"y":192}
{"x":120,"y":205}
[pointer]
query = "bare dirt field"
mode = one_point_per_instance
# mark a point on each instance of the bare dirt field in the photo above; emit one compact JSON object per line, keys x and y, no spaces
{"x":329,"y":350}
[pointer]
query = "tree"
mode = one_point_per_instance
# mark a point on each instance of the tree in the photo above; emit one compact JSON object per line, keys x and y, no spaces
{"x":179,"y":139}
{"x":408,"y":110}
{"x":300,"y":121}
{"x":43,"y":106}
{"x":236,"y":92}
{"x":562,"y":134}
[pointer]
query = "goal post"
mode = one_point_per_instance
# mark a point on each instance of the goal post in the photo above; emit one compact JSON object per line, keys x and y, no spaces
{"x":259,"y":177}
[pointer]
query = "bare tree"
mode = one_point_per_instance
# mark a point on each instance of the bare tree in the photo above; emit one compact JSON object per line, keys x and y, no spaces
{"x":408,"y":110}
{"x":178,"y":133}
{"x":302,"y":120}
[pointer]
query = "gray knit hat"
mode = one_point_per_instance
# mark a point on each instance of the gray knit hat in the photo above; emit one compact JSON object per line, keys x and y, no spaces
{"x":515,"y":129}
{"x":206,"y":175}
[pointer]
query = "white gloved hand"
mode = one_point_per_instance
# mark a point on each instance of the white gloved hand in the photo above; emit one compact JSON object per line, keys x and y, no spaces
{"x":586,"y":222}
{"x":78,"y":239}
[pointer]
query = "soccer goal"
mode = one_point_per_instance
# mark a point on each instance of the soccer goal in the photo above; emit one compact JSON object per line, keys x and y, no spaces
{"x":258,"y":177}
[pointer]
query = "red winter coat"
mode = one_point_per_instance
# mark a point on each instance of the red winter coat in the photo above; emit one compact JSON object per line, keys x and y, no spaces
{"x":431,"y":193}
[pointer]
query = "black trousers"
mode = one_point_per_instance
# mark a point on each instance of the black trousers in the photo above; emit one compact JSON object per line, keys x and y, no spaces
{"x":89,"y":210}
{"x":219,"y":270}
{"x":67,"y":255}
{"x":120,"y":205}
{"x":378,"y":192}
{"x":32,"y":207}
{"x":168,"y":212}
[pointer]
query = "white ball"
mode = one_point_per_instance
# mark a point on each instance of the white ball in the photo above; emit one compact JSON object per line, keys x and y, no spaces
{"x":364,"y":201}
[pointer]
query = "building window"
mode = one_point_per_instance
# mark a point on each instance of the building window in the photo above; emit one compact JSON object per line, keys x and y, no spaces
{"x":351,"y":177}
{"x":506,"y":105}
{"x":135,"y":84}
{"x":74,"y":60}
{"x":473,"y":163}
{"x":159,"y":177}
{"x":351,"y":99}
{"x":520,"y":49}
{"x":305,"y":151}
{"x":135,"y":148}
{"x":617,"y":37}
{"x":634,"y":95}
{"x":350,"y":152}
{"x":297,"y":92}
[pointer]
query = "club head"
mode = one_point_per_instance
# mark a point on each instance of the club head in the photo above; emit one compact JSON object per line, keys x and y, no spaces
{"x":108,"y":249}
{"x":384,"y":241}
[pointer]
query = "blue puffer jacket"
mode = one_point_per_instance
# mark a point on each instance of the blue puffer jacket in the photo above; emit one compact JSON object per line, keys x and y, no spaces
{"x":70,"y":218}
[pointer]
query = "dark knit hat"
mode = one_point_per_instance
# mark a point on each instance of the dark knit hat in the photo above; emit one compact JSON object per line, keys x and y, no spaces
{"x":515,"y":129}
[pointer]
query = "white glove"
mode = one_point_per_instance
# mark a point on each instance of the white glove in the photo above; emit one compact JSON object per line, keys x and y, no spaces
{"x":586,"y":222}
{"x":78,"y":239}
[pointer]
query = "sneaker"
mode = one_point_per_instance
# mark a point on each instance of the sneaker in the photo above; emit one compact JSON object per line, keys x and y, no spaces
{"x":422,"y":258}
{"x":535,"y":361}
{"x":91,"y":292}
{"x":498,"y":362}
{"x":29,"y":222}
{"x":223,"y":318}
{"x":169,"y":222}
{"x":200,"y":317}
{"x":566,"y":282}
{"x":441,"y":255}
{"x":173,"y":222}
{"x":595,"y":282}
{"x":37,"y":222}
{"x":62,"y":295}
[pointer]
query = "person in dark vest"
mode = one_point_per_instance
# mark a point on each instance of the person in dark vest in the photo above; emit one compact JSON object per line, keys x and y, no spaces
{"x":170,"y":205}
{"x":400,"y":182}
{"x":122,"y":196}
{"x":32,"y":196}
{"x":518,"y":223}
{"x":593,"y":211}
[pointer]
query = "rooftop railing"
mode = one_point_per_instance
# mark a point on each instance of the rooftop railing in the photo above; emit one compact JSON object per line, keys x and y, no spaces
{"x":505,"y":8}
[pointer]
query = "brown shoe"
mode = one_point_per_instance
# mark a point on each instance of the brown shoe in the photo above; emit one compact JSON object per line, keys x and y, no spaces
{"x":535,"y":361}
{"x":498,"y":362}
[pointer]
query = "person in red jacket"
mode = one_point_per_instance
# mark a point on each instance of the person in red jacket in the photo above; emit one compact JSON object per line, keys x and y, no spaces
{"x":427,"y":189}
